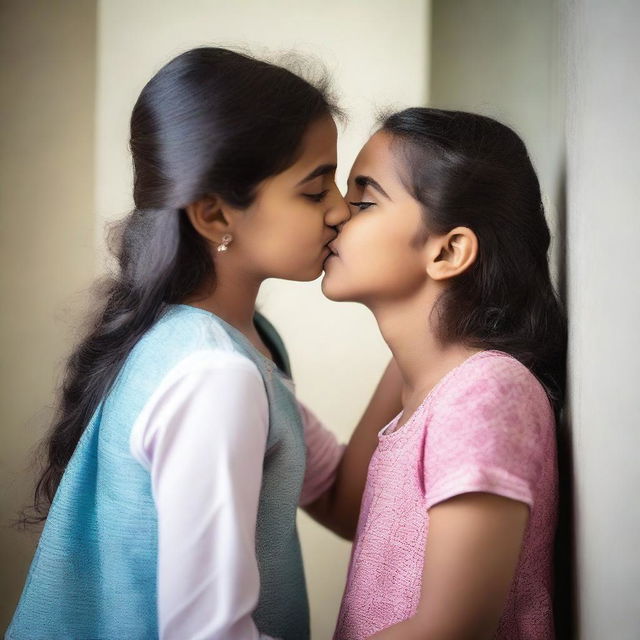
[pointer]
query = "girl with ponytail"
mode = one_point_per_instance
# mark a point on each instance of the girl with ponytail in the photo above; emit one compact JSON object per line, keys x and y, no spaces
{"x":447,"y":246}
{"x":179,"y":453}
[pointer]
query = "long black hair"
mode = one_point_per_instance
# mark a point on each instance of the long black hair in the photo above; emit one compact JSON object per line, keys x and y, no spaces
{"x":470,"y":170}
{"x":210,"y":121}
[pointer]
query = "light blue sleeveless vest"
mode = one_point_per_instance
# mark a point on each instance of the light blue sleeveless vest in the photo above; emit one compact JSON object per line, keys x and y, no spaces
{"x":94,"y":572}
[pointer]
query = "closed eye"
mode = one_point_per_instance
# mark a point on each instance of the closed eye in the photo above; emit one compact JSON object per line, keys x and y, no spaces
{"x":316,"y":197}
{"x":362,"y":205}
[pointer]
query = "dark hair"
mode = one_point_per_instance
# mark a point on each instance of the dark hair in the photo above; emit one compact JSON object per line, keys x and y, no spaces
{"x":471,"y":171}
{"x":210,"y":121}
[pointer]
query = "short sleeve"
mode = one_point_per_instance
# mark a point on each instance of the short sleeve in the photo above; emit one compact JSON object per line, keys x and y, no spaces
{"x":488,"y":431}
{"x":323,"y":457}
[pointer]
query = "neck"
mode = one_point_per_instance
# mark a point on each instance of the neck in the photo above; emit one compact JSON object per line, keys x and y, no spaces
{"x":232,"y":297}
{"x":422,"y":359}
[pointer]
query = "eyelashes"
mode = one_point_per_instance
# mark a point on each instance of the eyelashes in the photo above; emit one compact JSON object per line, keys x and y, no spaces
{"x":316,"y":197}
{"x":319,"y":197}
{"x":361,"y":206}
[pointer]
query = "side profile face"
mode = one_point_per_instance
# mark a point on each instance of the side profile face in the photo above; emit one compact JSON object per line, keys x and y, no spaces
{"x":380,"y":252}
{"x":284,"y":233}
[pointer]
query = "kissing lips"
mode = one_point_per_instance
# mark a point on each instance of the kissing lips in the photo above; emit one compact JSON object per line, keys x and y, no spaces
{"x":331,"y":255}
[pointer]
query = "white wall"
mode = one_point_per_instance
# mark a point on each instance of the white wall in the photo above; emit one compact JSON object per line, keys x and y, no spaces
{"x":603,"y":232}
{"x":502,"y":59}
{"x":378,"y":55}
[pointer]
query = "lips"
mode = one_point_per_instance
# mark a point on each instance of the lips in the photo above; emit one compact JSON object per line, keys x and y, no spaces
{"x":332,"y":253}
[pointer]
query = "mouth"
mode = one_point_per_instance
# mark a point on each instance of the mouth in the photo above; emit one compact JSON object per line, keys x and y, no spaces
{"x":333,"y":251}
{"x":331,"y":255}
{"x":329,"y":250}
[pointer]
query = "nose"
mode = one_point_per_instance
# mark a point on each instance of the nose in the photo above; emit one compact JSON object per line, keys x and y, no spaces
{"x":338,"y":213}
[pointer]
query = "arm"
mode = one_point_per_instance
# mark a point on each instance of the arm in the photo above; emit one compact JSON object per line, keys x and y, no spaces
{"x":202,"y":437}
{"x":338,"y":507}
{"x":470,"y":559}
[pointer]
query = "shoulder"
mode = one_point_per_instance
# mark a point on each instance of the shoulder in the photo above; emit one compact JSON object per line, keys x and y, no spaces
{"x":219,"y":373}
{"x":178,"y":334}
{"x":495,"y":395}
{"x":491,"y":412}
{"x":492,"y":377}
{"x":210,"y":394}
{"x":213,"y":362}
{"x":190,"y":325}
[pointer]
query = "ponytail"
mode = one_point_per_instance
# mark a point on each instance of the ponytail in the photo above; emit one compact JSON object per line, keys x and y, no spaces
{"x":151,"y":273}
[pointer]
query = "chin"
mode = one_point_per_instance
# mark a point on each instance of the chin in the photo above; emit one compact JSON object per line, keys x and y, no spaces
{"x":314,"y":274}
{"x":314,"y":271}
{"x":332,"y":292}
{"x":301,"y":275}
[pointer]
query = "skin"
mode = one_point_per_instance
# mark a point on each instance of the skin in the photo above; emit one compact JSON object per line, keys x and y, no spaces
{"x":284,"y":234}
{"x":384,"y":260}
{"x":339,"y":507}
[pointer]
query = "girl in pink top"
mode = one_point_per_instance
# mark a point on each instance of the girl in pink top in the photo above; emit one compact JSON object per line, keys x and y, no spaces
{"x":447,"y":245}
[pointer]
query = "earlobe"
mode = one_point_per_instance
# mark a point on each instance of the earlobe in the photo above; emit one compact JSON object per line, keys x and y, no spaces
{"x":452,"y":254}
{"x":209,"y":218}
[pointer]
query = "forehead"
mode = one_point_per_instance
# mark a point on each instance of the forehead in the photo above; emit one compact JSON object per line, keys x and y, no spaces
{"x":318,"y":146}
{"x":376,"y":159}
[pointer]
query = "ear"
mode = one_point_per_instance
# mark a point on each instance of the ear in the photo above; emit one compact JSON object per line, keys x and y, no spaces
{"x":451,"y":254}
{"x":211,"y":218}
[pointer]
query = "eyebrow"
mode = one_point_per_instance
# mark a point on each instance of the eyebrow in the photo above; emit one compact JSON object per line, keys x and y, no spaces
{"x":322,"y":170}
{"x":368,"y":181}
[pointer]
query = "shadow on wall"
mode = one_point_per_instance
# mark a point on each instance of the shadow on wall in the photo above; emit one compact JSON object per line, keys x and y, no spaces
{"x":565,"y":613}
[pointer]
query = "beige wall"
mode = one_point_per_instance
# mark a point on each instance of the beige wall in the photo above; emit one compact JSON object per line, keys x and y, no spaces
{"x":47,"y":233}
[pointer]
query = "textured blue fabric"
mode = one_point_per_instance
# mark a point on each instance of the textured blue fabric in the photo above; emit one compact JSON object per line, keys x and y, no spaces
{"x":94,"y":571}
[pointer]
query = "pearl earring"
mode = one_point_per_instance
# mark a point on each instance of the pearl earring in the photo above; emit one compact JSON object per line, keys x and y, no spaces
{"x":226,"y":241}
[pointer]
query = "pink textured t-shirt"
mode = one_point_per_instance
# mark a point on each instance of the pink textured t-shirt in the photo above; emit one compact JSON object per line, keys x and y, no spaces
{"x":486,"y":426}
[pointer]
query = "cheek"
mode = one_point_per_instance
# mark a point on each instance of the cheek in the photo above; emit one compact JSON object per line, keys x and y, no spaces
{"x":369,"y":246}
{"x":290,"y":221}
{"x":286,"y":241}
{"x":375,"y":261}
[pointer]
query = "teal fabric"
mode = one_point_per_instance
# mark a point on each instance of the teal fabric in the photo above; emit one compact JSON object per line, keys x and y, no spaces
{"x":94,"y":571}
{"x":274,"y":342}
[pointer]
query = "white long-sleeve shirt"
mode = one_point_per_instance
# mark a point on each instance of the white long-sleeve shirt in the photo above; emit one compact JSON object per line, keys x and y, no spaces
{"x":202,"y":437}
